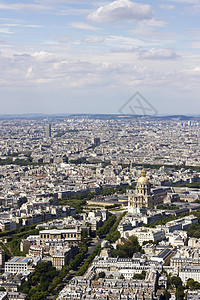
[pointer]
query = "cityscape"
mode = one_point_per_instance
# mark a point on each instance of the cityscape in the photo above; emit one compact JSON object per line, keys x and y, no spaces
{"x":99,"y":150}
{"x":100,"y":207}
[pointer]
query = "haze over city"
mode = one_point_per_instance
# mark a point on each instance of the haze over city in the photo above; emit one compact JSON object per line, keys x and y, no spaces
{"x":71,"y":56}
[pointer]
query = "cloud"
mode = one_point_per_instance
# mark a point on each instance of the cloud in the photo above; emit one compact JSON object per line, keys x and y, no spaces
{"x":194,"y":10}
{"x":74,"y":11}
{"x":125,"y":50}
{"x":23,"y":6}
{"x":157,"y":54}
{"x":185,"y":1}
{"x":193,"y":72}
{"x":151,"y":31}
{"x":121,"y":10}
{"x":155,"y":22}
{"x":65,"y":1}
{"x":29,"y":72}
{"x":121,"y":41}
{"x":94,"y":40}
{"x":33,"y":26}
{"x":167,"y":6}
{"x":64,"y":39}
{"x":49,"y":71}
{"x":5,"y":31}
{"x":81,"y":25}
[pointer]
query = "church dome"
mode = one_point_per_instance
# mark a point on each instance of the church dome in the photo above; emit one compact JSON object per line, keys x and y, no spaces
{"x":143,"y":179}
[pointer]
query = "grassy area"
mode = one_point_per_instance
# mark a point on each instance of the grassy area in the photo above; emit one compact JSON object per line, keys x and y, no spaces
{"x":19,"y":162}
{"x":190,"y":185}
{"x":78,"y":201}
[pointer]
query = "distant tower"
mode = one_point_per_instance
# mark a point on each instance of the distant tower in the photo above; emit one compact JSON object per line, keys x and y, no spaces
{"x":48,"y":131}
{"x":2,"y":257}
{"x":97,"y":141}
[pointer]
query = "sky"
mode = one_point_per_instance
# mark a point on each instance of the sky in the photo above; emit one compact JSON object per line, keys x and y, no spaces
{"x":78,"y":56}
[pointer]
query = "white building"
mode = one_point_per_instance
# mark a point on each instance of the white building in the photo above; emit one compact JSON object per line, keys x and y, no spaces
{"x":21,"y":264}
{"x":177,"y":238}
{"x":145,"y":234}
{"x":187,"y":272}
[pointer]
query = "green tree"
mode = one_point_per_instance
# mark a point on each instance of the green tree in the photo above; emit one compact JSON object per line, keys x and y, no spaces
{"x":180,"y":295}
{"x":167,"y":295}
{"x":84,"y":235}
{"x":102,"y":275}
{"x":176,"y":281}
{"x":128,"y":248}
{"x":140,"y":276}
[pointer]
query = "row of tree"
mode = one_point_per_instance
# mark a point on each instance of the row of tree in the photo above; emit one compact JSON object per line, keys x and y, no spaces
{"x":106,"y":226}
{"x":114,"y":234}
{"x":167,"y":207}
{"x":88,"y":260}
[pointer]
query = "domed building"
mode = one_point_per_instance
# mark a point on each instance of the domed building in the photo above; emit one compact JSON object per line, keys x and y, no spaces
{"x":142,"y":197}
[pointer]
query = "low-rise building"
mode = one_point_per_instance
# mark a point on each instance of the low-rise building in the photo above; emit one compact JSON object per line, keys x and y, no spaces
{"x":21,"y":264}
{"x":186,"y":256}
{"x":145,"y":234}
{"x":70,"y":235}
{"x":186,"y":272}
{"x":61,"y":256}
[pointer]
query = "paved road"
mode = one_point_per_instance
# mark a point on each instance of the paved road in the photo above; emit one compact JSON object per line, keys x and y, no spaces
{"x":95,"y":242}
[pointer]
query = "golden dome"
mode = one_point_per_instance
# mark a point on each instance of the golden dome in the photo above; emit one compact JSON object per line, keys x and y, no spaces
{"x":143,"y":179}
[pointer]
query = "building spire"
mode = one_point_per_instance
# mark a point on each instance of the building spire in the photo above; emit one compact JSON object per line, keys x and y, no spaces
{"x":143,"y":173}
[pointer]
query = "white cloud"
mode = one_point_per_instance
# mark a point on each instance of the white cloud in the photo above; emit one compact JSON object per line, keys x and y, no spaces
{"x":185,"y":1}
{"x":94,"y":40}
{"x":155,"y":22}
{"x":24,"y":6}
{"x":63,"y":39}
{"x":29,"y":72}
{"x":152,"y":32}
{"x":121,"y":10}
{"x":64,"y":1}
{"x":157,"y":54}
{"x":194,"y":10}
{"x":5,"y":31}
{"x":121,"y":41}
{"x":193,"y":72}
{"x":74,"y":11}
{"x":49,"y":72}
{"x":33,"y":26}
{"x":81,"y":25}
{"x":167,"y":6}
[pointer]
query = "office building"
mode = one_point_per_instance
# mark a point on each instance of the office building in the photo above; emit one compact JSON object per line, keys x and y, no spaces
{"x":48,"y":131}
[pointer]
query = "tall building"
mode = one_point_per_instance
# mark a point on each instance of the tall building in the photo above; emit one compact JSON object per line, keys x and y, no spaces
{"x":2,"y":257}
{"x":48,"y":131}
{"x":97,"y":141}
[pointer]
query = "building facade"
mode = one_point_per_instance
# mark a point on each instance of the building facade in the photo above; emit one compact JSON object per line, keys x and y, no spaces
{"x":70,"y":235}
{"x":142,"y":197}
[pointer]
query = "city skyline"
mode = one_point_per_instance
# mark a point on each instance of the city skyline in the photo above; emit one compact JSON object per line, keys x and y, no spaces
{"x":91,"y":57}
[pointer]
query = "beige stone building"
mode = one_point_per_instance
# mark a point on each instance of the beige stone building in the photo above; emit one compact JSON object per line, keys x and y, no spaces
{"x":62,"y":256}
{"x":142,"y":197}
{"x":70,"y":235}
